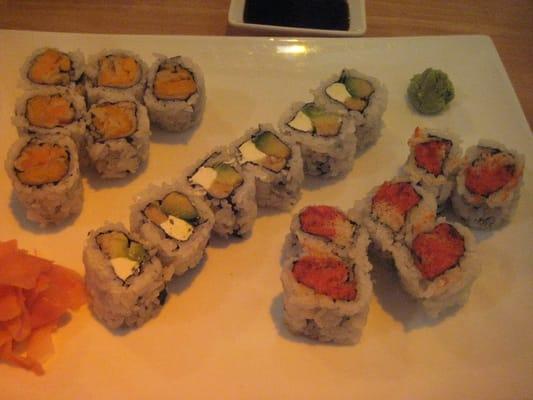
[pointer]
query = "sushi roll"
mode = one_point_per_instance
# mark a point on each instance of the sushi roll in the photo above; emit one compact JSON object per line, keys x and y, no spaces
{"x":123,"y":277}
{"x":325,"y":227}
{"x":438,"y":266}
{"x":52,"y":67}
{"x":488,"y":185}
{"x":116,"y":72}
{"x":326,"y":296}
{"x":176,"y":222}
{"x":433,"y":163}
{"x":326,"y":137}
{"x":276,"y":165}
{"x":45,"y":174}
{"x":118,"y":137}
{"x":52,"y":110}
{"x":361,"y":96}
{"x":175,"y":93}
{"x":395,"y":211}
{"x":229,"y":190}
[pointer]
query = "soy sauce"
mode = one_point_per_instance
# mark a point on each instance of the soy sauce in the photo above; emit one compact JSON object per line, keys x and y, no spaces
{"x":315,"y":14}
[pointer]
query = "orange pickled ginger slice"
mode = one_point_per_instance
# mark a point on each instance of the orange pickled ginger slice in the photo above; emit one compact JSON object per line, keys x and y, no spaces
{"x":34,"y":295}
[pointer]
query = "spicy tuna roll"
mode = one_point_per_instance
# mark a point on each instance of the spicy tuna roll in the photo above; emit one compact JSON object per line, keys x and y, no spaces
{"x":395,"y":211}
{"x":45,"y":174}
{"x":325,"y":227}
{"x":52,"y":110}
{"x":361,"y":96}
{"x":123,"y":276}
{"x":326,"y":297}
{"x":176,"y":222}
{"x":52,"y":67}
{"x":115,"y":72}
{"x":488,"y":185}
{"x":229,"y":190}
{"x":434,"y":160}
{"x":118,"y":137}
{"x":326,"y":137}
{"x":175,"y":93}
{"x":276,"y":165}
{"x":438,"y":267}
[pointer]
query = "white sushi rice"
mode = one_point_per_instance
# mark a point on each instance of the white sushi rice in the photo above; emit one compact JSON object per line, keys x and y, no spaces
{"x":114,"y":302}
{"x":75,"y":74}
{"x":54,"y":202}
{"x":118,"y":158}
{"x":448,"y":290}
{"x":418,"y":219}
{"x":442,"y":185}
{"x":319,"y":317}
{"x":234,"y":215}
{"x":278,"y":190}
{"x":368,"y":122}
{"x":176,"y":115}
{"x":487,"y":212}
{"x":176,"y":256}
{"x":75,"y":129}
{"x":325,"y":156}
{"x":96,"y":93}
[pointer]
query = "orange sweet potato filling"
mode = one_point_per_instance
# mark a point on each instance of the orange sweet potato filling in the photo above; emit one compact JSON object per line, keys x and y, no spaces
{"x":34,"y":294}
{"x":49,"y":111}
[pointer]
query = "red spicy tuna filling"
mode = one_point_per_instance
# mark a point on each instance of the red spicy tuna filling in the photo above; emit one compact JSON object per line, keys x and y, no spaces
{"x":325,"y":275}
{"x":321,"y":220}
{"x":490,"y":172}
{"x":431,"y":155}
{"x":393,"y":201}
{"x":437,"y":251}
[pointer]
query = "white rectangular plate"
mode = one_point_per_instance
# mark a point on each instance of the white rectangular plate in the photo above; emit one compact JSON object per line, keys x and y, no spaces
{"x":221,"y":333}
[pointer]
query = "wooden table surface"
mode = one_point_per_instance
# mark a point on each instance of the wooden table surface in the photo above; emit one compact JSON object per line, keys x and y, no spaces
{"x":509,"y":23}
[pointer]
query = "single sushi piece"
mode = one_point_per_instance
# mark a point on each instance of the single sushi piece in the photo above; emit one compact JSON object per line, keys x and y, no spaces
{"x":51,"y":67}
{"x":361,"y":96}
{"x":229,"y":190}
{"x":488,"y":185}
{"x":124,"y":277}
{"x":275,"y":163}
{"x":327,"y":228}
{"x":326,"y":137}
{"x":118,"y":136}
{"x":117,"y":72}
{"x":176,"y":222}
{"x":175,"y":93}
{"x":433,"y":162}
{"x":395,"y":211}
{"x":438,"y":266}
{"x":326,"y":297}
{"x":45,"y":174}
{"x":52,"y":110}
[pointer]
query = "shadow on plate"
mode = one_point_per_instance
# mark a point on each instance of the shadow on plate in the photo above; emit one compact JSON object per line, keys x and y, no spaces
{"x":20,"y":215}
{"x":396,"y":301}
{"x":180,"y":283}
{"x":96,"y":182}
{"x":164,"y":137}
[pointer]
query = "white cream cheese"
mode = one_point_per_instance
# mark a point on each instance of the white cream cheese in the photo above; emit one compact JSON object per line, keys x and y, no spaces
{"x":337,"y":91}
{"x":124,"y":267}
{"x":250,"y":152}
{"x":205,"y":176}
{"x":177,"y":228}
{"x":301,"y":122}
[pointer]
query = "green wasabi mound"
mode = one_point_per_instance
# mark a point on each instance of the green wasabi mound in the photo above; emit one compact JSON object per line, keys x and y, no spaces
{"x":430,"y":91}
